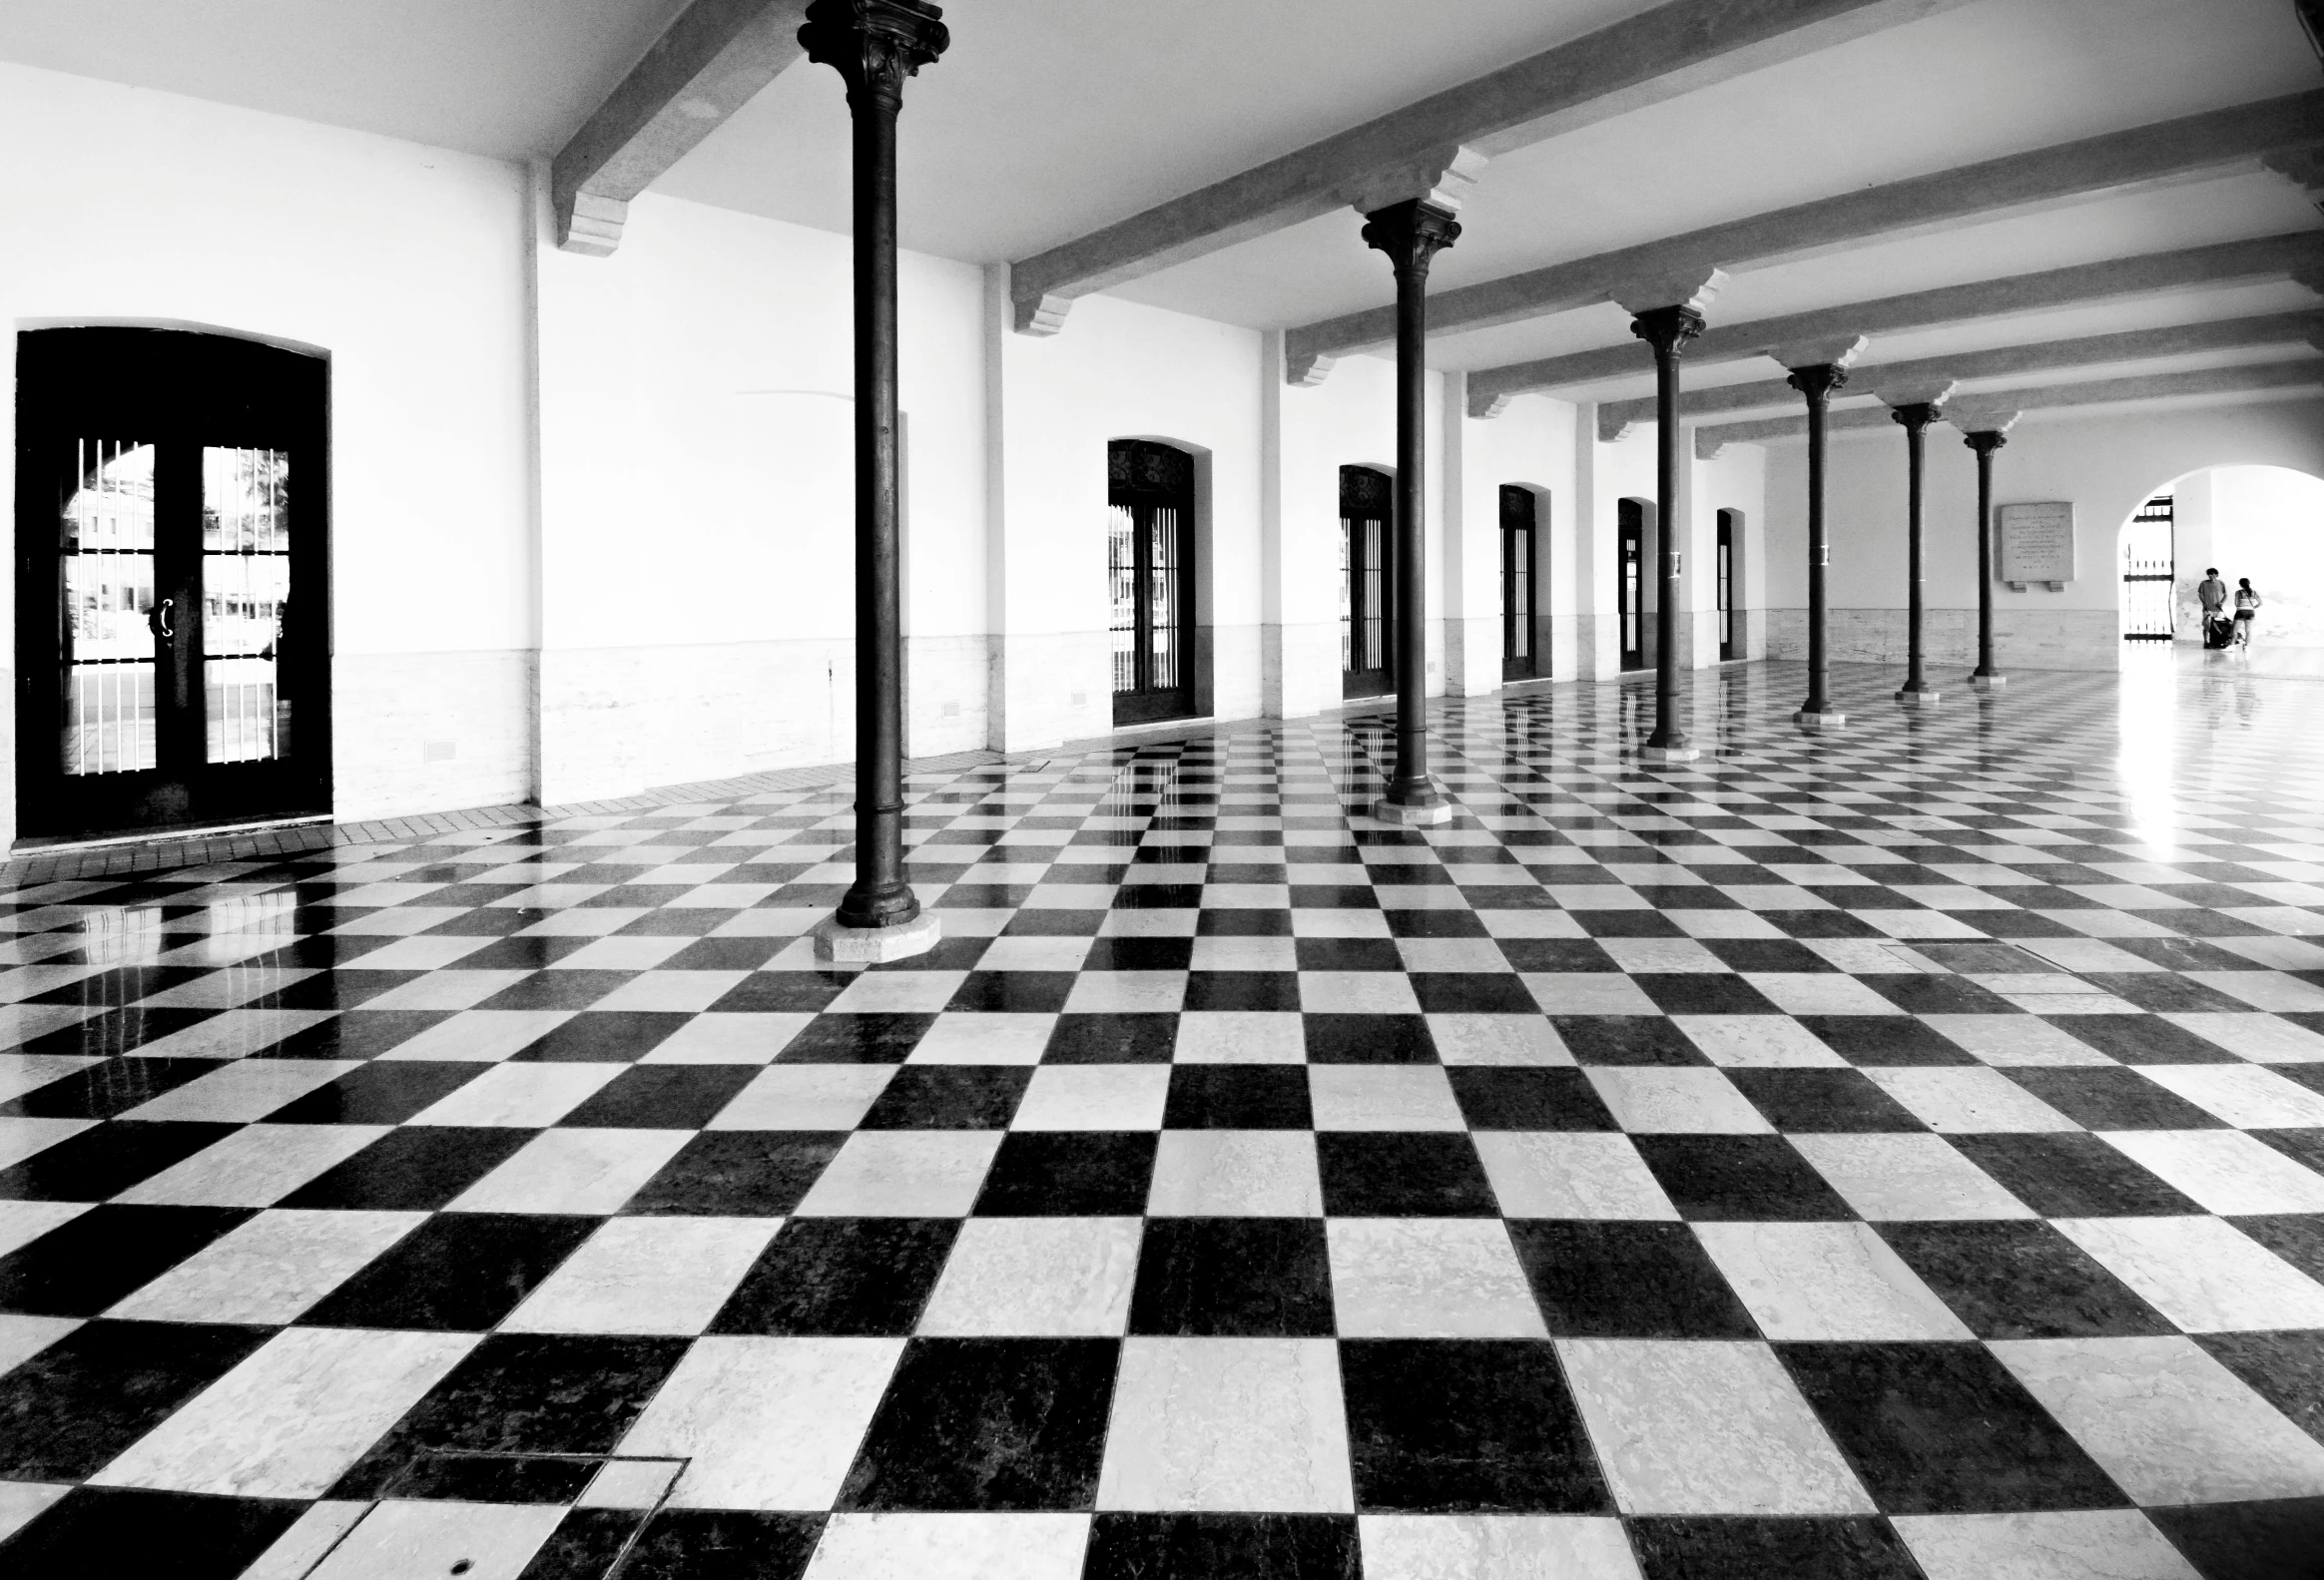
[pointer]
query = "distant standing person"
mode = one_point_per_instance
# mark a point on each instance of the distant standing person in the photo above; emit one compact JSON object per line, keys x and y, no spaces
{"x":2246,"y":611}
{"x":2211,"y":592}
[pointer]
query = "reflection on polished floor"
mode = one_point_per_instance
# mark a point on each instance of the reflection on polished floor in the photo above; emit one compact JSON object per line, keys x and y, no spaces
{"x":1886,"y":1154}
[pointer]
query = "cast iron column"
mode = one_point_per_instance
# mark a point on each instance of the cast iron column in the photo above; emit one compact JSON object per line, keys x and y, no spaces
{"x":1412,"y":233}
{"x":1817,"y":383}
{"x":1667,"y":329}
{"x":1915,"y":419}
{"x":1987,"y":675}
{"x":875,"y":45}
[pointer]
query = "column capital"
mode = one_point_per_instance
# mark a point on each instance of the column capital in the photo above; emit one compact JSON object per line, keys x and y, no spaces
{"x":1817,"y":380}
{"x":1984,"y":440}
{"x":1412,"y":233}
{"x":875,"y":44}
{"x":1667,"y":329}
{"x":1913,"y":416}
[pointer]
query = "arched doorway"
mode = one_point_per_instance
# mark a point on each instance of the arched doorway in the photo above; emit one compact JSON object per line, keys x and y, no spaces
{"x":170,"y":517}
{"x":1150,"y":571}
{"x":2261,"y":523}
{"x":1521,"y":531}
{"x":1630,"y":581}
{"x":1366,"y":582}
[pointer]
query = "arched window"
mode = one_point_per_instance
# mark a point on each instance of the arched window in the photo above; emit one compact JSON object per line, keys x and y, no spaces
{"x":1630,"y":580}
{"x":1517,"y":526}
{"x":1366,"y":582}
{"x":1728,"y":570}
{"x":1150,"y":563}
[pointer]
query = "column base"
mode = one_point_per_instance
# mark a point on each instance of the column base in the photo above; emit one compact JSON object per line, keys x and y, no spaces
{"x":1427,"y":815}
{"x":841,"y":945}
{"x":1829,"y":719}
{"x":1926,"y":697}
{"x":1988,"y":683}
{"x":1664,"y":755}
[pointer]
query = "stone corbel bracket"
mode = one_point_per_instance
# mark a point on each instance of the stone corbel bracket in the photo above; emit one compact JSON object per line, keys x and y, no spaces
{"x":1917,"y":392}
{"x":1839,"y":351}
{"x":1709,"y":446}
{"x":1970,"y":417}
{"x":1441,"y":178}
{"x":2303,"y":167}
{"x":1486,"y":404}
{"x":1694,"y":288}
{"x":706,"y":65}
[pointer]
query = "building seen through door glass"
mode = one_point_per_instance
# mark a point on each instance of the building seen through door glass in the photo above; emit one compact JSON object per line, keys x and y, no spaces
{"x":172,"y":654}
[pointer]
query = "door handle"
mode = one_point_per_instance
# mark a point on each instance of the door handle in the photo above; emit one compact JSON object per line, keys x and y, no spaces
{"x":158,"y":619}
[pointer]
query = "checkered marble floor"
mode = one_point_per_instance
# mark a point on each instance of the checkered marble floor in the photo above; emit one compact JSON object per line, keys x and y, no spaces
{"x":1893,"y":1154}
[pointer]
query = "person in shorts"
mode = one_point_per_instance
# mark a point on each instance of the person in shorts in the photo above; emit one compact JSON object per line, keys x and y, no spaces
{"x":2246,"y":611}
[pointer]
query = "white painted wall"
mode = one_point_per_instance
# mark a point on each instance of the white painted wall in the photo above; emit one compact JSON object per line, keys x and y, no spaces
{"x":2268,"y":525}
{"x":2107,"y":464}
{"x":698,"y":500}
{"x":405,"y":265}
{"x":1117,"y":370}
{"x":1530,"y":445}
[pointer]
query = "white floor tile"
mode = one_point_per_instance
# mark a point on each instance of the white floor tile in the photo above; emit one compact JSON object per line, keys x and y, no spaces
{"x":1826,"y":1280}
{"x":1429,"y":1278}
{"x":270,"y":1269}
{"x":1228,"y":1424}
{"x":903,"y":1174}
{"x":1236,"y":1174}
{"x":951,"y":1547}
{"x":2226,"y":1171}
{"x":1062,"y":1276}
{"x":1571,"y":1173}
{"x":2201,"y":1272}
{"x":1904,"y":1176}
{"x":767,"y":1423}
{"x":646,"y":1276}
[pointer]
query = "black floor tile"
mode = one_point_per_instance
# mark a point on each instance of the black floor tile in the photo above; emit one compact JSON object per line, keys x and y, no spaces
{"x":2305,"y":1147}
{"x":1069,"y":1174}
{"x":359,"y":1034}
{"x":524,"y":952}
{"x":1625,"y":1039}
{"x":1619,"y":1279}
{"x":1745,"y":1547}
{"x":840,"y":1276}
{"x":2285,"y":1368}
{"x":855,"y":1039}
{"x":1409,"y":924}
{"x":1625,"y":923}
{"x":1822,"y":924}
{"x":1505,"y":1096}
{"x":1223,"y":1547}
{"x":1811,"y":1101}
{"x":601,"y":1036}
{"x":523,"y":1394}
{"x":1139,"y":954}
{"x":707,"y":1544}
{"x":1202,"y":1277}
{"x":458,"y":1272}
{"x":1472,"y":993}
{"x":1748,"y":1178}
{"x":2142,"y":1039}
{"x":2073,"y":1175}
{"x":1559,"y":954}
{"x":2276,"y":1540}
{"x":82,"y":1267}
{"x":1013,"y":992}
{"x":1111,"y":1039}
{"x":388,"y":1092}
{"x":737,"y":1174}
{"x":1408,"y":1174}
{"x":989,"y":1423}
{"x":1348,"y":954}
{"x":113,"y":1034}
{"x":2112,"y":1098}
{"x":2298,"y":1238}
{"x":1928,"y":993}
{"x":782,"y":993}
{"x":1767,"y":954}
{"x":566,"y":989}
{"x":70,"y":1409}
{"x":950,"y":1097}
{"x":101,"y":1090}
{"x":1943,"y":1428}
{"x":106,"y":1159}
{"x":1334,"y":1038}
{"x":1873,"y":1041}
{"x":2022,"y":1279}
{"x":1703,"y":993}
{"x":663,"y":1097}
{"x":1238,"y":1097}
{"x":93,"y":1531}
{"x":1275,"y":991}
{"x":2164,"y":992}
{"x":415,"y":1168}
{"x":1467,"y":1425}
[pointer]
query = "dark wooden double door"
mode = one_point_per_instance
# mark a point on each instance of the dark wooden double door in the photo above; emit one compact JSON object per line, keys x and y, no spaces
{"x":1150,"y":567}
{"x":172,"y":663}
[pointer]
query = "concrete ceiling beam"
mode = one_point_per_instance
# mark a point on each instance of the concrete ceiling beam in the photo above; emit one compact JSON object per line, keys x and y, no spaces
{"x":2307,"y":373}
{"x":2016,"y":182}
{"x":2298,"y":256}
{"x":1670,"y":51}
{"x":706,"y":65}
{"x":1616,"y":417}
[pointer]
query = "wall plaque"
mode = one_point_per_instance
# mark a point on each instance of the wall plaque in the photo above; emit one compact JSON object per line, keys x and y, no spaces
{"x":2037,"y":544}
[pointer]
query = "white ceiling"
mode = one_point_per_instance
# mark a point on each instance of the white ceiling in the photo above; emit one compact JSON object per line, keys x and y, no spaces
{"x":1049,"y":118}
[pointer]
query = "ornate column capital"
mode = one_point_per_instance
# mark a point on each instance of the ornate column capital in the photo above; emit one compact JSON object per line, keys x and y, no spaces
{"x":875,"y":44}
{"x":1412,"y":233}
{"x":1818,"y":381}
{"x":1984,"y":441}
{"x":1913,"y":416}
{"x":1667,"y":329}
